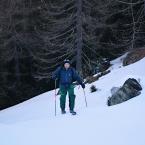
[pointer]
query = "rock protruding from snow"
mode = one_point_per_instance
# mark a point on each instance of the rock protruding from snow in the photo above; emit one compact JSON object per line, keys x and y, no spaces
{"x":134,"y":56}
{"x":91,"y":79}
{"x":131,"y":88}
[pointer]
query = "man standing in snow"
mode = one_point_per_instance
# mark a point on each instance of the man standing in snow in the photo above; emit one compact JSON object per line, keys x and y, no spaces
{"x":66,"y":75}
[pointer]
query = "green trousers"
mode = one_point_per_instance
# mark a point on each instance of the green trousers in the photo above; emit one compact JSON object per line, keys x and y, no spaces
{"x":63,"y":93}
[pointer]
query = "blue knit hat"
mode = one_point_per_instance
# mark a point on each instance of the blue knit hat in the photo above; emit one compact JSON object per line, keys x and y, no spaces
{"x":66,"y":61}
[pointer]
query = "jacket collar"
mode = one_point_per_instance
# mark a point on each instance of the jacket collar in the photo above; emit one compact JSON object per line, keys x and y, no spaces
{"x":66,"y":69}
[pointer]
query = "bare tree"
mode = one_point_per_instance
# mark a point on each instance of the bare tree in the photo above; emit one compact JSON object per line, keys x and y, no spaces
{"x":71,"y":33}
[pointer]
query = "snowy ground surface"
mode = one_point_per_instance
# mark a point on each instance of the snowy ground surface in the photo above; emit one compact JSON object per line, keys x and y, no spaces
{"x":33,"y":122}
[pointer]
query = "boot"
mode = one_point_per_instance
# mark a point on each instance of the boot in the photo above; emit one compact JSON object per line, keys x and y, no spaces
{"x":73,"y":112}
{"x":63,"y":112}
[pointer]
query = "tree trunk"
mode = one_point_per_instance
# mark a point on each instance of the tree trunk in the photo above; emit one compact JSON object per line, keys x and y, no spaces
{"x":133,"y":22}
{"x":79,"y":37}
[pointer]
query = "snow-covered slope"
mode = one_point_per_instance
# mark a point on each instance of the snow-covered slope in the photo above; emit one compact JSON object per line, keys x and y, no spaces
{"x":33,"y":122}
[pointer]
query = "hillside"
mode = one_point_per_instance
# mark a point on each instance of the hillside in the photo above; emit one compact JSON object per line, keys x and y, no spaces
{"x":33,"y":122}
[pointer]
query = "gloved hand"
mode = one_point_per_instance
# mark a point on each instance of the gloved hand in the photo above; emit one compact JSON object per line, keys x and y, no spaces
{"x":83,"y":85}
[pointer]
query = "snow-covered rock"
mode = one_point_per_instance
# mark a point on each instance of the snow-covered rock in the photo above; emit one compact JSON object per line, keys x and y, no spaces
{"x":131,"y":88}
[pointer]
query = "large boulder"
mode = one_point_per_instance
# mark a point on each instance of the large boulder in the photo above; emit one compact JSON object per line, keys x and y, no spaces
{"x":131,"y":88}
{"x":134,"y":56}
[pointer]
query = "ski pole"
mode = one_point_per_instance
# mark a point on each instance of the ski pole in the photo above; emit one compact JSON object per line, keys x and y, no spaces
{"x":85,"y":98}
{"x":55,"y":97}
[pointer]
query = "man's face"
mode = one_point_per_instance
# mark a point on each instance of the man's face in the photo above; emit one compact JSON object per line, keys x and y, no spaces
{"x":66,"y":65}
